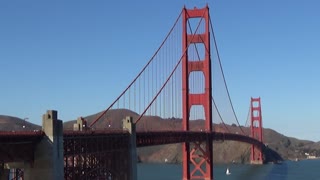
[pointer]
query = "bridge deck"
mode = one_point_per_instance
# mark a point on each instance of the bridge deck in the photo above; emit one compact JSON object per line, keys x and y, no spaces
{"x":18,"y":146}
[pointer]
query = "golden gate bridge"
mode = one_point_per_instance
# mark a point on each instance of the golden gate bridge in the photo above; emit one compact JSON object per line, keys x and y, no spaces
{"x":184,"y":80}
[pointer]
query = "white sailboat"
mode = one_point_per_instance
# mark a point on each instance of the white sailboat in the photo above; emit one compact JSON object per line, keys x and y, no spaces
{"x":228,"y":171}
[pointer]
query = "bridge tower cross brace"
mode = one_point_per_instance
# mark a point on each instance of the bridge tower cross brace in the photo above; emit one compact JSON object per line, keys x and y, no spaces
{"x":256,"y":130}
{"x":196,"y":155}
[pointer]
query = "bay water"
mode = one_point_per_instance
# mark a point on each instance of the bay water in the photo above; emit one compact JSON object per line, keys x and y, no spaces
{"x":287,"y":170}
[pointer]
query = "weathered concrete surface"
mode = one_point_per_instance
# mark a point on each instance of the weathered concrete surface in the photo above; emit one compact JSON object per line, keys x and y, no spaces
{"x":4,"y":173}
{"x":129,"y":125}
{"x":48,"y":156}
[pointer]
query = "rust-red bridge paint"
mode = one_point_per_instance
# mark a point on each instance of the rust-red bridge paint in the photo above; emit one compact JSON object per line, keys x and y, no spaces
{"x":199,"y":154}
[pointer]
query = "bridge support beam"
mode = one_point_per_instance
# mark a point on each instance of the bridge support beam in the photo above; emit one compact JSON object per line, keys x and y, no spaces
{"x":48,"y":155}
{"x":129,"y":125}
{"x":80,"y":125}
{"x":197,"y":156}
{"x":256,"y":130}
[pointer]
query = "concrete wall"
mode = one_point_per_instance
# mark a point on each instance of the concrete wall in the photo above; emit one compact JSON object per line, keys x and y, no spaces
{"x":129,"y":125}
{"x":4,"y":173}
{"x":48,"y":156}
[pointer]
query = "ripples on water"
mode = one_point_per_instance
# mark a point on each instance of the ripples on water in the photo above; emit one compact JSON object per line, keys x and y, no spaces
{"x":301,"y":170}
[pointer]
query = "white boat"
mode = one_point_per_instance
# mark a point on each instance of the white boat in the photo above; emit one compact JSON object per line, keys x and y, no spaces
{"x":228,"y":171}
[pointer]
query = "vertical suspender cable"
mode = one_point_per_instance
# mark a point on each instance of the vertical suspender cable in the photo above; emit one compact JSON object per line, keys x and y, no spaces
{"x":224,"y":79}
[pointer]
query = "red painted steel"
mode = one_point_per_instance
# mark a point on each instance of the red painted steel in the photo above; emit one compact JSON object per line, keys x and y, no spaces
{"x":196,"y":154}
{"x":256,"y":130}
{"x":96,"y":155}
{"x":172,"y":137}
{"x":103,"y":154}
{"x":17,"y":174}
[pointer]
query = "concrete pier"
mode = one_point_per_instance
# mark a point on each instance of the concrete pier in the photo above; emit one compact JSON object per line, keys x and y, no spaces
{"x":108,"y":155}
{"x":129,"y":125}
{"x":4,"y":173}
{"x":257,"y":162}
{"x":48,"y":155}
{"x":80,"y":125}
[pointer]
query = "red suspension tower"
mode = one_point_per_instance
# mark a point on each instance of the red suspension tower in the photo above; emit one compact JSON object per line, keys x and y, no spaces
{"x":256,"y":130}
{"x":197,"y":155}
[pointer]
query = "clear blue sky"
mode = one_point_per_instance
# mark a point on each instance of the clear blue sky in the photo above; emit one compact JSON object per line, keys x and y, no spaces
{"x":69,"y":55}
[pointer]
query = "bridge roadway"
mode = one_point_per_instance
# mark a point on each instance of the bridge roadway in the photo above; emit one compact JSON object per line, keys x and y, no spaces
{"x":19,"y":146}
{"x":169,"y":137}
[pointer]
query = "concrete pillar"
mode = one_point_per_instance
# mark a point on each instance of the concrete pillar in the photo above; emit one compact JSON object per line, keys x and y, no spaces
{"x":48,"y":156}
{"x":131,"y":127}
{"x":256,"y":162}
{"x":80,"y":125}
{"x":4,"y":173}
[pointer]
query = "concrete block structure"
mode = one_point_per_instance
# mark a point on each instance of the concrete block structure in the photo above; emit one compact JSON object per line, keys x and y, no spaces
{"x":81,"y":153}
{"x":48,"y":155}
{"x":129,"y":125}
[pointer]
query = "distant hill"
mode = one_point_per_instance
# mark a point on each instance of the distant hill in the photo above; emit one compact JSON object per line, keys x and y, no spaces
{"x":224,"y":152}
{"x":9,"y":123}
{"x":112,"y":118}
